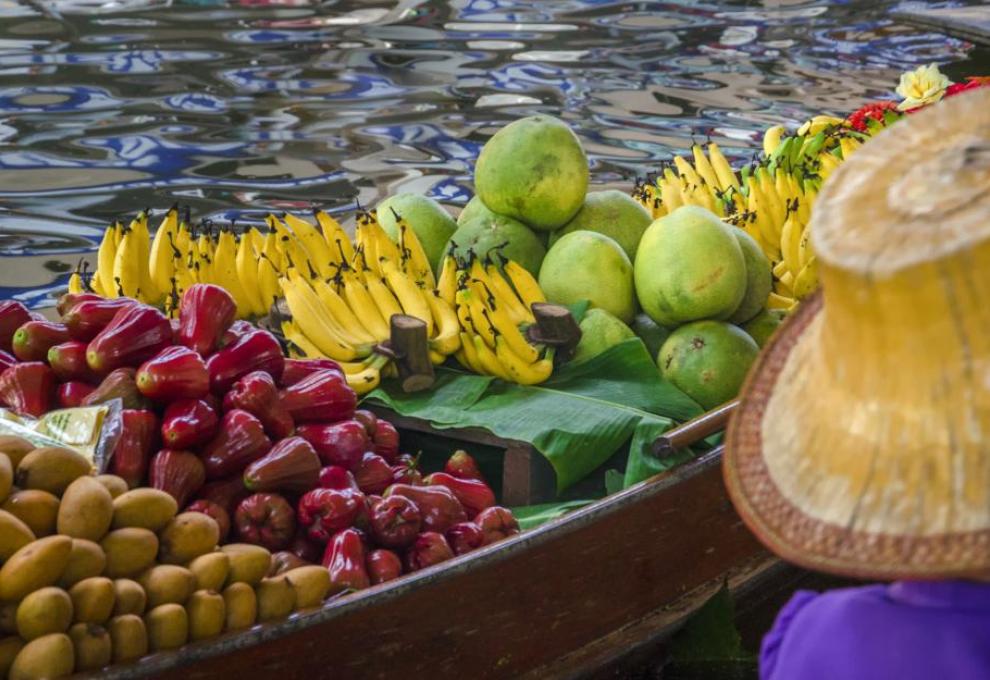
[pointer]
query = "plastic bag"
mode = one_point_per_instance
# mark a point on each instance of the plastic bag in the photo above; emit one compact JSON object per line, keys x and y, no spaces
{"x":91,"y":430}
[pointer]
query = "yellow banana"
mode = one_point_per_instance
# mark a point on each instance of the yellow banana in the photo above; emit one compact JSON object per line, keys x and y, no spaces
{"x":790,"y":240}
{"x":463,"y":310}
{"x":349,"y":326}
{"x":246,"y":266}
{"x":384,"y":300}
{"x":407,"y":292}
{"x":758,"y":205}
{"x":829,"y":162}
{"x":161,"y":265}
{"x":366,"y":312}
{"x":500,"y":288}
{"x":127,"y":266}
{"x":524,"y":283}
{"x":105,"y":257}
{"x":269,"y":284}
{"x":204,"y":258}
{"x":225,"y":272}
{"x":305,"y":346}
{"x":142,"y":244}
{"x":686,"y":171}
{"x":256,"y":238}
{"x":447,"y":283}
{"x":772,"y":137}
{"x":806,"y":282}
{"x":479,"y":314}
{"x":496,"y":316}
{"x":369,"y":378}
{"x":183,"y":235}
{"x":670,"y":190}
{"x":337,"y":240}
{"x":447,"y":340}
{"x":488,"y":360}
{"x":310,"y":237}
{"x":519,"y":370}
{"x":847,"y":145}
{"x":414,"y":262}
{"x":773,"y":202}
{"x":368,"y":249}
{"x":812,"y":127}
{"x":313,"y":320}
{"x":466,"y":356}
{"x":384,"y":248}
{"x":704,"y":167}
{"x":805,"y":251}
{"x":76,"y":284}
{"x":294,"y":252}
{"x":273,"y":251}
{"x":775,"y":301}
{"x":726,"y":175}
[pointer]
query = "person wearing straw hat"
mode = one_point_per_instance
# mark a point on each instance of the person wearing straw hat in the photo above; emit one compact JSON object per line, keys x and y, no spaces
{"x":861,"y":446}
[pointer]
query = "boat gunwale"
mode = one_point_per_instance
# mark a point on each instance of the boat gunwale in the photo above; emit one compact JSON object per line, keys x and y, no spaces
{"x":387,"y":592}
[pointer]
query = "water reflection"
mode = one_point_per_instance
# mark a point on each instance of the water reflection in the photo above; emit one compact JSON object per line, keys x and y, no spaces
{"x":239,"y":107}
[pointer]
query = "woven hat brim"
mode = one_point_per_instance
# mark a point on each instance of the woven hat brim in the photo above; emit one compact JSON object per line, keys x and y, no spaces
{"x":790,"y":532}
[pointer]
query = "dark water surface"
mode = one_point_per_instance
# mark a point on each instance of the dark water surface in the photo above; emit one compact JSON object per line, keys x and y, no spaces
{"x":240,"y":107}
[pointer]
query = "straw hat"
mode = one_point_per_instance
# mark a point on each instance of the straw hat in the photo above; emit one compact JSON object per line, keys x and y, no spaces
{"x":861,"y":446}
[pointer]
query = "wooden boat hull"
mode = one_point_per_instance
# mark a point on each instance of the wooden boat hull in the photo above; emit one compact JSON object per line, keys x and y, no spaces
{"x":544,"y":603}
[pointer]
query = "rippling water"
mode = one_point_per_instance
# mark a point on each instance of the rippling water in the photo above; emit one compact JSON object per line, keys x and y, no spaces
{"x":240,"y":107}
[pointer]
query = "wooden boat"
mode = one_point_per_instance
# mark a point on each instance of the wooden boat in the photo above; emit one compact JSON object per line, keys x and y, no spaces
{"x":580,"y":592}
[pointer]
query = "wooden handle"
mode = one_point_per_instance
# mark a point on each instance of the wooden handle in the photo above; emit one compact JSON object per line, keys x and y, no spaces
{"x":693,"y":430}
{"x":410,"y":344}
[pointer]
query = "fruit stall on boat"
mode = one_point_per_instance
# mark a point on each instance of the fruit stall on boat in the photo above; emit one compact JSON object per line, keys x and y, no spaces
{"x":283,"y":449}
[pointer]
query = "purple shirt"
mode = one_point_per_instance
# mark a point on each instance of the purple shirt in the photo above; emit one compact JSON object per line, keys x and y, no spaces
{"x":909,"y":630}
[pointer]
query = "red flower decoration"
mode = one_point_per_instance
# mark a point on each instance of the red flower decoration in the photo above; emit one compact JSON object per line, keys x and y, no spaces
{"x":875,"y":110}
{"x":971,"y":83}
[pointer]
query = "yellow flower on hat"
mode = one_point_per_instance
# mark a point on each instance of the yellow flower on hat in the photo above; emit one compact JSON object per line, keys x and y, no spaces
{"x":924,"y":85}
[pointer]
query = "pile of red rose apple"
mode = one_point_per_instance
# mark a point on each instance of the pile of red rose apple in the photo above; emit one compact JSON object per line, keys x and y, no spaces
{"x":273,"y":449}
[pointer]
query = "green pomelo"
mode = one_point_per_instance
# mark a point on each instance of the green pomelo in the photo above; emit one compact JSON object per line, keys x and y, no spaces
{"x":707,"y":360}
{"x":599,"y":331}
{"x":535,"y":170}
{"x":762,"y":326}
{"x":689,"y":266}
{"x":511,"y":238}
{"x":612,"y":213}
{"x":759,"y":278}
{"x":431,"y":222}
{"x":650,"y":332}
{"x":586,"y":265}
{"x":474,"y":208}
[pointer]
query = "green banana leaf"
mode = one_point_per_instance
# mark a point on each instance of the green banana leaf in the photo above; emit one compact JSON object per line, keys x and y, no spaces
{"x":532,"y":516}
{"x":578,"y":419}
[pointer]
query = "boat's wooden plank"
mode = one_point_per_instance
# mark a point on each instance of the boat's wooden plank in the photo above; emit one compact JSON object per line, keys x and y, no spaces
{"x":970,"y":23}
{"x":506,"y":609}
{"x":644,"y":639}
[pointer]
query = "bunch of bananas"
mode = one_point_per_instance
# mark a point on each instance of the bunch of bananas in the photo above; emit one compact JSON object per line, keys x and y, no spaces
{"x":771,"y":200}
{"x":494,"y":304}
{"x":157,"y":271}
{"x":344,"y":312}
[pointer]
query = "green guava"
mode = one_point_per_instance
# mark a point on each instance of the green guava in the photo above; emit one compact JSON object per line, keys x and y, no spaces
{"x":599,"y":331}
{"x":707,"y":360}
{"x":650,"y":332}
{"x":759,"y":278}
{"x":689,"y":266}
{"x":474,"y":208}
{"x":586,"y":265}
{"x":511,"y":238}
{"x":534,"y":170}
{"x":612,"y":213}
{"x":762,"y":326}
